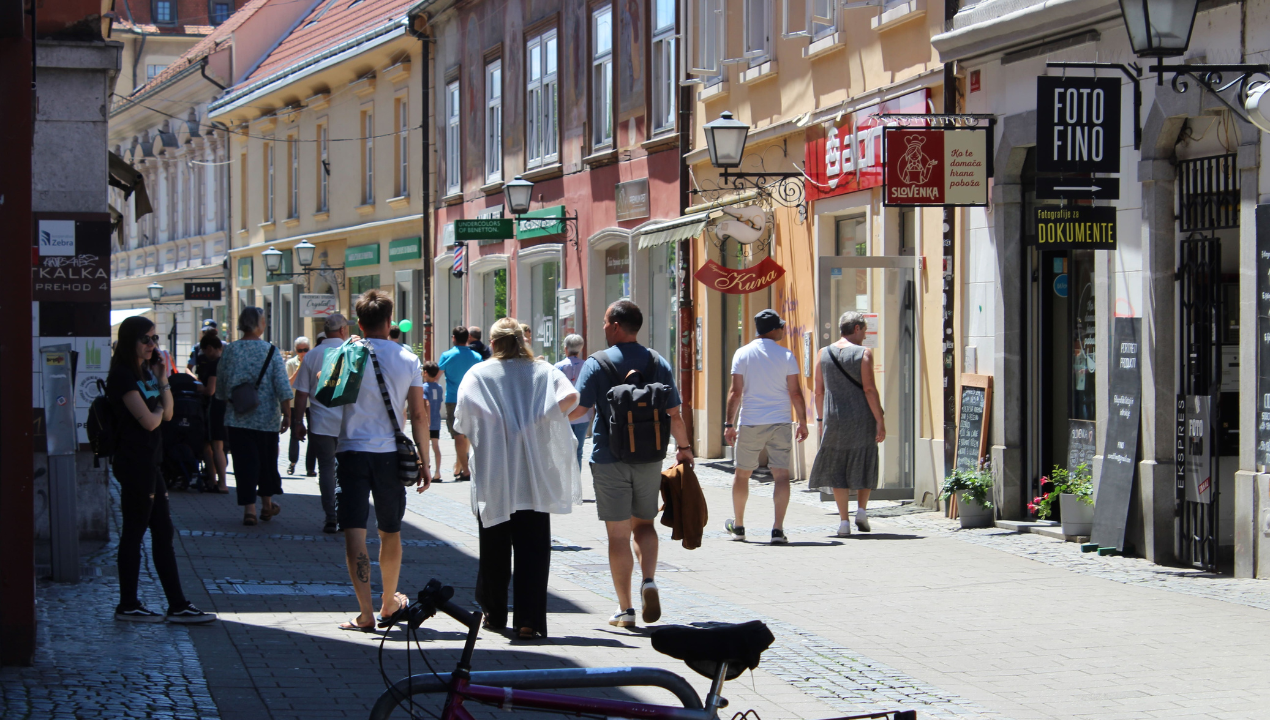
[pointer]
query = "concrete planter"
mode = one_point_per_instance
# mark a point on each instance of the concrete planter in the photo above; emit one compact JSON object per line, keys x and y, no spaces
{"x":973,"y":515}
{"x":1078,"y":518}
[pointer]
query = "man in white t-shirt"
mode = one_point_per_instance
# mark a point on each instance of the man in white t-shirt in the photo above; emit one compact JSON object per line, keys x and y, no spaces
{"x":324,"y":422}
{"x":367,"y":456}
{"x":758,"y":418}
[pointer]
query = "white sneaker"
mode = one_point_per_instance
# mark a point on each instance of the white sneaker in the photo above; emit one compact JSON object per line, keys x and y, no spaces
{"x":736,"y":531}
{"x":651,"y":600}
{"x":844,"y":528}
{"x":623,"y":618}
{"x":862,"y":519}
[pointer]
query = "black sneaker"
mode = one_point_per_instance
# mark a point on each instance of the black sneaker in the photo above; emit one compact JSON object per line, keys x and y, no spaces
{"x":138,"y":614}
{"x":736,"y":531}
{"x":778,"y":537}
{"x":190,"y":615}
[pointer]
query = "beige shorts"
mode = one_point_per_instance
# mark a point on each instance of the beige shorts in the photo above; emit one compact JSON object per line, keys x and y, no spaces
{"x":751,"y":439}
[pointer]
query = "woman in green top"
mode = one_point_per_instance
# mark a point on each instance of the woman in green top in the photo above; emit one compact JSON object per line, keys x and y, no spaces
{"x":253,"y":435}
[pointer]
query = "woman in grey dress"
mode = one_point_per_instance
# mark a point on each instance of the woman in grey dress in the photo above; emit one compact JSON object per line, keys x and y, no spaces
{"x":849,"y":413}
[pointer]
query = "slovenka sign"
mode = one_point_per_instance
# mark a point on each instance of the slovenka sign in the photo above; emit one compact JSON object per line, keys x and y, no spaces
{"x":933,"y":166}
{"x":846,"y":155}
{"x":739,"y":281}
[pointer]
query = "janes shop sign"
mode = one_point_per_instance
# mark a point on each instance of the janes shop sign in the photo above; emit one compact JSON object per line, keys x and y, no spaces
{"x":739,"y":282}
{"x":847,"y":155}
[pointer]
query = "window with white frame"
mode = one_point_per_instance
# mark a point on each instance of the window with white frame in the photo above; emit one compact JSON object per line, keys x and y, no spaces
{"x":322,"y":145}
{"x":293,"y":182}
{"x":268,"y":213}
{"x":708,"y":38}
{"x":541,"y":100}
{"x":403,"y":147}
{"x":453,"y":141}
{"x":823,"y":20}
{"x":368,"y":157}
{"x":494,"y":121}
{"x":602,"y":78}
{"x":758,"y":30}
{"x":664,"y":75}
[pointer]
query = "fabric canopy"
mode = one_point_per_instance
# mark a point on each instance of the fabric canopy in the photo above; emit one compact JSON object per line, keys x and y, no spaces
{"x":118,"y":316}
{"x":129,"y":179}
{"x":688,"y":226}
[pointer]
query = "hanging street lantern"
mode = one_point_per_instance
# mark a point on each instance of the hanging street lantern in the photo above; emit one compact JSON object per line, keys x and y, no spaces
{"x":273,"y":259}
{"x":519,"y":194}
{"x":1159,"y":28}
{"x":304,"y":253}
{"x":725,"y":140}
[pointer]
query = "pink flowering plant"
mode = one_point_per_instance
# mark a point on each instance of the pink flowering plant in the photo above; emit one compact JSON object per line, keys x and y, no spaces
{"x":1078,"y":482}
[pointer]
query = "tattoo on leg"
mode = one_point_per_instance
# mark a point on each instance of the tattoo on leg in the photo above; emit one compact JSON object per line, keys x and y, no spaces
{"x":363,"y":567}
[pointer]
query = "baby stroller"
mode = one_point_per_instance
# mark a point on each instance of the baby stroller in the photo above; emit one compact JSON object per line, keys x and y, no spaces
{"x":185,"y":434}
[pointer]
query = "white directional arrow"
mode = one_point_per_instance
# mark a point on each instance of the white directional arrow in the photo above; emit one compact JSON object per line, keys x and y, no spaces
{"x":1086,"y":188}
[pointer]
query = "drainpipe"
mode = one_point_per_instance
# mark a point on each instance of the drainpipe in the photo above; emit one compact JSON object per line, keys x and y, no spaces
{"x":425,"y":188}
{"x":202,"y":70}
{"x":136,"y":59}
{"x":947,"y":272}
{"x":687,"y":314}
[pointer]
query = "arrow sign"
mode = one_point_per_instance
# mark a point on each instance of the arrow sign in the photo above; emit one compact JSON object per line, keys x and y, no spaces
{"x":1057,"y":188}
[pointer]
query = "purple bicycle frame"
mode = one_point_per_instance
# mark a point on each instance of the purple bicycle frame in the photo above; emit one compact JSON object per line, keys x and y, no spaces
{"x":507,"y":698}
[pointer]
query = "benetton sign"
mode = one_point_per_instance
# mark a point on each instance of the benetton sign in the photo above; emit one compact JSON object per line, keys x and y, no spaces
{"x":932,"y":166}
{"x":1078,"y":227}
{"x":739,"y":282}
{"x":484,"y":229}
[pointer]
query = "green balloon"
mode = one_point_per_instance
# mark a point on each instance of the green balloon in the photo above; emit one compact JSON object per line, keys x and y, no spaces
{"x":405,"y":325}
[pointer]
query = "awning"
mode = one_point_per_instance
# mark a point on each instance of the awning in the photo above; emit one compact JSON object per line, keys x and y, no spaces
{"x":683,"y":228}
{"x":129,"y":179}
{"x":118,"y":316}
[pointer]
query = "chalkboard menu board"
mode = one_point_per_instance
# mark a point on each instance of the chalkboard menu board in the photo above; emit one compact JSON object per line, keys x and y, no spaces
{"x":1081,"y":444}
{"x":1119,"y":464}
{"x":972,"y":420}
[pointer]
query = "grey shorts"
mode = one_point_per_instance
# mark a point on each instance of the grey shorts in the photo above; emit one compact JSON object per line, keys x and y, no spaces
{"x":624,"y":491}
{"x":449,"y":418}
{"x":751,"y":439}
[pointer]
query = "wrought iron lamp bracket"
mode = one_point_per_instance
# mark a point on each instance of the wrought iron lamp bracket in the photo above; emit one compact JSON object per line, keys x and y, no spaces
{"x":1213,"y":79}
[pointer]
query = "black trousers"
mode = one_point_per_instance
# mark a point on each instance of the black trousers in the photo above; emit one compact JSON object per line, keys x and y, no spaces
{"x":255,"y":463}
{"x":143,"y":499}
{"x":528,"y":534}
{"x":293,"y":448}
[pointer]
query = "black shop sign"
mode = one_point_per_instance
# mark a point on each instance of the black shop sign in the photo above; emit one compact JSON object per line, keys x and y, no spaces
{"x":203,"y":291}
{"x":1077,"y":125}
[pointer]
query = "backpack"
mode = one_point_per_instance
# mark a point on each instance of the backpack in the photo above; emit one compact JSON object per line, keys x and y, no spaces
{"x":341,"y":376}
{"x":101,"y":425}
{"x":638,"y":421}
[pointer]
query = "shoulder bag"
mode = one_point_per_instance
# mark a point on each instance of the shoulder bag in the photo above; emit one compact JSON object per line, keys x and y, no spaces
{"x":835,"y":360}
{"x":407,"y":456}
{"x":245,"y":396}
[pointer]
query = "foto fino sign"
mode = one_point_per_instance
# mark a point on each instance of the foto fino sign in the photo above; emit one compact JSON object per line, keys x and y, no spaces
{"x":1077,"y":125}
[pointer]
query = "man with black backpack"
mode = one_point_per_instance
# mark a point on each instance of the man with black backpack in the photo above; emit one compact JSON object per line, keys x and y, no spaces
{"x":633,"y":391}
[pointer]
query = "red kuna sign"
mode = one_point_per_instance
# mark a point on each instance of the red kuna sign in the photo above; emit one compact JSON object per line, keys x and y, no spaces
{"x":739,"y":282}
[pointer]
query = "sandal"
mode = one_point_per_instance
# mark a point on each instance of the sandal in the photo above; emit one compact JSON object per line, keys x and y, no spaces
{"x":527,"y":633}
{"x":274,"y":509}
{"x":403,"y":601}
{"x":249,"y":519}
{"x":352,"y":626}
{"x":487,"y":625}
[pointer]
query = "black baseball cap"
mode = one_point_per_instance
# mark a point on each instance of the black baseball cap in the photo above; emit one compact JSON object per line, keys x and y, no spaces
{"x":767,"y":321}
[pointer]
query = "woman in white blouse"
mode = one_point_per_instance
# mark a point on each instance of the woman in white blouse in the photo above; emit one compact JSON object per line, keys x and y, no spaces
{"x":515,"y":413}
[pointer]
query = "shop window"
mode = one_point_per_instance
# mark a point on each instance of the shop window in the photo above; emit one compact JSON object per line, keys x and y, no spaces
{"x":617,"y":274}
{"x":453,"y":140}
{"x":851,"y":236}
{"x":493,"y":296}
{"x":542,"y":100}
{"x":664,"y":75}
{"x":494,"y":121}
{"x":544,"y":282}
{"x":357,"y":286}
{"x":602,"y":78}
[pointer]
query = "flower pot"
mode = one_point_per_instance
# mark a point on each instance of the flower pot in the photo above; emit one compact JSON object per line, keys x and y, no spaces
{"x":1077,"y":517}
{"x":973,"y":515}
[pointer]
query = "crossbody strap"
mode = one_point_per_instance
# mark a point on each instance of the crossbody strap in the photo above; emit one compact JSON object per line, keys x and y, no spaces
{"x":383,"y":389}
{"x":265,"y":367}
{"x":834,"y":358}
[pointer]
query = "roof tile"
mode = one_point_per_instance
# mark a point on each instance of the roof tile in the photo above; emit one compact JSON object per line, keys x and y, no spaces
{"x":330,"y":23}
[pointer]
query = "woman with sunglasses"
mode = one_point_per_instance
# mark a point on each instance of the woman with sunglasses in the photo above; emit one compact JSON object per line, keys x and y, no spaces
{"x":137,"y":388}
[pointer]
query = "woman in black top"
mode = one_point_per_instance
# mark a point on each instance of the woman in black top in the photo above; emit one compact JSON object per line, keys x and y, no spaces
{"x":210,"y":349}
{"x":138,"y":392}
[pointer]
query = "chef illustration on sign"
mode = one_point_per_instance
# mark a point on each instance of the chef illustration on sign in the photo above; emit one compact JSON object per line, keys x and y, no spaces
{"x":914,"y":166}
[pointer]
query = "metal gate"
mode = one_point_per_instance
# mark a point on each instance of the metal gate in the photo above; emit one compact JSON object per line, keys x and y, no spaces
{"x":1198,"y":400}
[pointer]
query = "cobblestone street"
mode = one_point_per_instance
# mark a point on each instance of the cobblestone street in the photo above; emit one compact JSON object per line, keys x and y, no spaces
{"x":917,"y":614}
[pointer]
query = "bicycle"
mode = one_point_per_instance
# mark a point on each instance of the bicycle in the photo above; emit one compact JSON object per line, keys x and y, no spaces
{"x":721,"y":653}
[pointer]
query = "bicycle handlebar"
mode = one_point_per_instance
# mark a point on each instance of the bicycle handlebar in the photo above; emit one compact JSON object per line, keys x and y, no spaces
{"x":432,"y":598}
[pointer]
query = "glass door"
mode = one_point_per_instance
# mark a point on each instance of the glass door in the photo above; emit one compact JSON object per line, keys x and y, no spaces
{"x":884,"y":289}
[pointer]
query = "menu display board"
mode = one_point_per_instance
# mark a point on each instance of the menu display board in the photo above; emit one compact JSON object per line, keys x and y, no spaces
{"x":1081,"y":444}
{"x":973,"y":412}
{"x":1119,"y":464}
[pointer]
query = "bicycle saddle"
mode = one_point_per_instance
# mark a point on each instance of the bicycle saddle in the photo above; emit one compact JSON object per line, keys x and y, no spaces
{"x":739,"y":645}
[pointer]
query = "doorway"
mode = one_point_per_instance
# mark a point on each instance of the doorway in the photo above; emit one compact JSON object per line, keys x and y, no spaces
{"x":883,"y":288}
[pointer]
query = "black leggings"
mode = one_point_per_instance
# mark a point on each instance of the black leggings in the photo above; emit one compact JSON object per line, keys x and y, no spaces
{"x":143,"y":499}
{"x":528,"y":533}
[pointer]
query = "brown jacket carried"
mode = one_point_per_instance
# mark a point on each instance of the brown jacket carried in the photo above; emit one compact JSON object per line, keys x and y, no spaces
{"x":684,"y":510}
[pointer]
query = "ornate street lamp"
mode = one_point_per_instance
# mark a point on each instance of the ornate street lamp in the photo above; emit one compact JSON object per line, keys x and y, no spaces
{"x":273,"y":260}
{"x":304,"y":253}
{"x":1159,"y":28}
{"x":725,"y":140}
{"x":519,"y":194}
{"x":156,"y":292}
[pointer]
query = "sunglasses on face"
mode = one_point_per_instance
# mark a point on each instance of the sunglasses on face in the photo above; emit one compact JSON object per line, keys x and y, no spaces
{"x":149,"y":339}
{"x":302,"y":350}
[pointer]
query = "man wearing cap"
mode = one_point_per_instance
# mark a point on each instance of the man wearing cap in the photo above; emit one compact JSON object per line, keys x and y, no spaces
{"x":196,"y":357}
{"x":324,"y":422}
{"x":758,"y":418}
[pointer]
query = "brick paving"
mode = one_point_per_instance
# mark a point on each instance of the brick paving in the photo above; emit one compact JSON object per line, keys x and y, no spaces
{"x":919,"y":614}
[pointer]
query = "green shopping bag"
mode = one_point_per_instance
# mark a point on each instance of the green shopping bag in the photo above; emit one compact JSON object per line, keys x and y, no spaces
{"x":341,"y":374}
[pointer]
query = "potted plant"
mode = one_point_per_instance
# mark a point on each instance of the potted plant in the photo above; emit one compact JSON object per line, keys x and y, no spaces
{"x":1074,"y":492}
{"x":973,"y":489}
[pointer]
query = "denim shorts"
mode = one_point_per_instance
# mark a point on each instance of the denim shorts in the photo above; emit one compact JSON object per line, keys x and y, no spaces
{"x":362,"y":475}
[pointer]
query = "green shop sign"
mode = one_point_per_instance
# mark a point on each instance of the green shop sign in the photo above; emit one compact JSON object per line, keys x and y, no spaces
{"x":541,"y":223}
{"x":361,"y":255}
{"x":484,"y":229}
{"x":408,"y":249}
